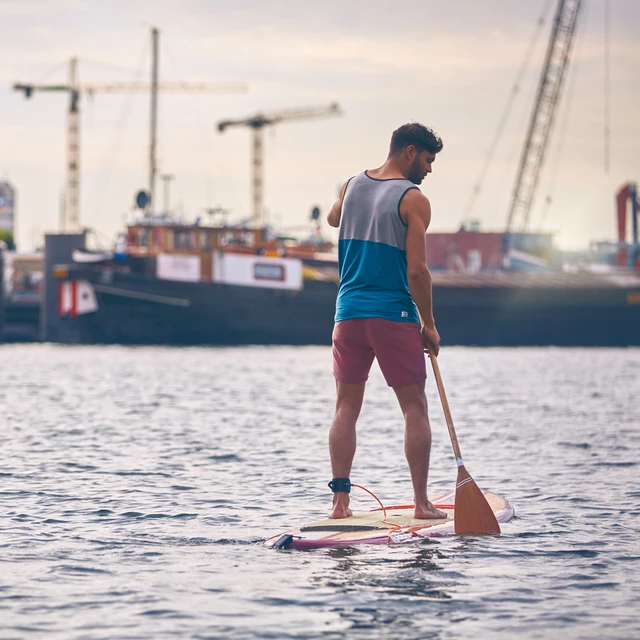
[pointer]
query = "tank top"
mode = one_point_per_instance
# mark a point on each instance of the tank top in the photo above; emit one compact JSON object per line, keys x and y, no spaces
{"x":372,"y":256}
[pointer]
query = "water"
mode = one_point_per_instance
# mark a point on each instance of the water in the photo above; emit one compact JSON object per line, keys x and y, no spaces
{"x":136,"y":486}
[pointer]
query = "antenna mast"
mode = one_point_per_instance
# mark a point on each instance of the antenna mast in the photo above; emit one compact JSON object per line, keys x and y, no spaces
{"x":153,"y":167}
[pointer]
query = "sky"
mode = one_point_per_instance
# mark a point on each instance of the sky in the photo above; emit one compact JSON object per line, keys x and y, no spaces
{"x":451,"y":66}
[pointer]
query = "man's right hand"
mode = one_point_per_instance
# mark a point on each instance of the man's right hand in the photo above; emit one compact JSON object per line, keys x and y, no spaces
{"x":430,"y":336}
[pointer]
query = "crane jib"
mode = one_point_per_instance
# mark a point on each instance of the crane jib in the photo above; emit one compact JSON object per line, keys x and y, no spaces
{"x":544,"y":110}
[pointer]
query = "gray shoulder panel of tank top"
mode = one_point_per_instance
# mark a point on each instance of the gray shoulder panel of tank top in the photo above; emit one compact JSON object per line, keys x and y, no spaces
{"x":371,"y":210}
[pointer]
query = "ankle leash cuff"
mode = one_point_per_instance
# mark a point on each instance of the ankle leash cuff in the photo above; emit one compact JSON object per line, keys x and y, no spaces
{"x":340,"y":485}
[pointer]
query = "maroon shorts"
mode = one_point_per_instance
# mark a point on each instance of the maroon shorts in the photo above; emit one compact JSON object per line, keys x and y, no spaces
{"x":398,"y":347}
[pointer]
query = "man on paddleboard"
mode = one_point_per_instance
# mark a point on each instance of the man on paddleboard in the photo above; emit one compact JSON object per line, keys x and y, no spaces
{"x":384,"y":293}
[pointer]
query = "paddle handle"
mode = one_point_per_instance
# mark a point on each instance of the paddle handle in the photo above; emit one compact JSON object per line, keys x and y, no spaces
{"x":445,"y":406}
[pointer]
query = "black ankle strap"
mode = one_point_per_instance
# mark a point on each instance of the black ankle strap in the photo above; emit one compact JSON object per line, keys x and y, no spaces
{"x":340,"y":485}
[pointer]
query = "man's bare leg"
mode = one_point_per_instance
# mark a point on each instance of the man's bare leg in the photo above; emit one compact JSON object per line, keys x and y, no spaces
{"x":342,"y":440}
{"x":417,"y":446}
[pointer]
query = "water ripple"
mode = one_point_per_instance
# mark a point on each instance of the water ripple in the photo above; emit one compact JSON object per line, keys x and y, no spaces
{"x":138,"y":488}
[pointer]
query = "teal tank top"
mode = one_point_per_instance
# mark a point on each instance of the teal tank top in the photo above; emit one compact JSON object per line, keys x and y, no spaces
{"x":372,"y":256}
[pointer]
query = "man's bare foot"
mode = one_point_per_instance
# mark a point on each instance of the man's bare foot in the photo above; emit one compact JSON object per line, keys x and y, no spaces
{"x":340,"y":507}
{"x":339,"y":512}
{"x":426,"y":511}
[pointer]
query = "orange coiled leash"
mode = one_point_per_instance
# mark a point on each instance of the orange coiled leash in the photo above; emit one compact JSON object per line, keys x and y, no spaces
{"x":338,"y":484}
{"x":394,"y":525}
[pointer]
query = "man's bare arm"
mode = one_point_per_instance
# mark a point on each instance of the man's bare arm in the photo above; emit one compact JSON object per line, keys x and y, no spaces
{"x":333,"y":218}
{"x":416,"y":212}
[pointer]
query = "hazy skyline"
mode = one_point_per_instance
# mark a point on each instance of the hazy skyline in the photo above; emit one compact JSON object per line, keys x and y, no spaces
{"x":451,"y":67}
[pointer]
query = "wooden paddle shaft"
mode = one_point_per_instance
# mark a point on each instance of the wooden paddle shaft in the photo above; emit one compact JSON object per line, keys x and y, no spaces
{"x":445,"y":406}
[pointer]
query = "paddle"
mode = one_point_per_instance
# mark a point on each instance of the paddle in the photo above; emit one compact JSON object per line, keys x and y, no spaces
{"x":472,"y":515}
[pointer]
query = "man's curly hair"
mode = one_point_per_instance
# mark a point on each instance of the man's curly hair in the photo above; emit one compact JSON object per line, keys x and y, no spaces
{"x":421,"y":137}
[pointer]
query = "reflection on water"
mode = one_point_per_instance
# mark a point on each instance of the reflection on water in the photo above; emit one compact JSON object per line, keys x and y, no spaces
{"x":397,"y":588}
{"x":356,"y":570}
{"x":138,"y":484}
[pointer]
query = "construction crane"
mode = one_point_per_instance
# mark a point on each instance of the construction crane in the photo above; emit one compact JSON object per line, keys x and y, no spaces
{"x":541,"y":124}
{"x":258,"y":122}
{"x":75,"y":89}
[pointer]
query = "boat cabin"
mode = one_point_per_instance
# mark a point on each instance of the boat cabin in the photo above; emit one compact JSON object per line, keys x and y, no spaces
{"x":144,"y":239}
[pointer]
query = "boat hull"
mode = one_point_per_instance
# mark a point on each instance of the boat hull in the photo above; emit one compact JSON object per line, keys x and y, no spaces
{"x":140,"y":309}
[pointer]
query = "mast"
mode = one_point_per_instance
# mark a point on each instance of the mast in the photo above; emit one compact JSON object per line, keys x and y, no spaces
{"x":166,"y":179}
{"x":543,"y":114}
{"x":154,"y":118}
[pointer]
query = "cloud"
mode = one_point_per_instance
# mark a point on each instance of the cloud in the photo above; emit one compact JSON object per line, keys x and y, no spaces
{"x":268,"y":47}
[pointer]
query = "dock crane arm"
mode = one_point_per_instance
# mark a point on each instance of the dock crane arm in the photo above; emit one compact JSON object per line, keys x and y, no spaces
{"x":134,"y":87}
{"x":266,"y":119}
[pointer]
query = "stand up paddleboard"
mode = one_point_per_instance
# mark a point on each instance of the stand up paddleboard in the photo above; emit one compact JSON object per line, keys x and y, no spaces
{"x":393,"y":525}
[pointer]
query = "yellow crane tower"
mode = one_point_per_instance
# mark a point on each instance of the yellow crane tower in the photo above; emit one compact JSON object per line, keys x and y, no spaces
{"x":75,"y":90}
{"x":258,"y":122}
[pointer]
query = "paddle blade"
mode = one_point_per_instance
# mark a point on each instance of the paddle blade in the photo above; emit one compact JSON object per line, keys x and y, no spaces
{"x":473,"y":514}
